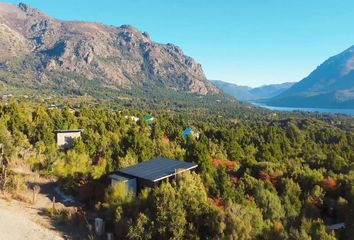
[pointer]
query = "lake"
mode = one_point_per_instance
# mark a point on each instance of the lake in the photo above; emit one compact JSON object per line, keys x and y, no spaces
{"x":320,"y":110}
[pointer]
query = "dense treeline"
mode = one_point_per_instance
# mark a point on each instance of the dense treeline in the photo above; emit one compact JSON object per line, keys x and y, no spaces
{"x":261,"y":178}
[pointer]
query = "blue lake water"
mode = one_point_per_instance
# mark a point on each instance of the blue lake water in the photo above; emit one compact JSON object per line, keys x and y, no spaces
{"x":319,"y":110}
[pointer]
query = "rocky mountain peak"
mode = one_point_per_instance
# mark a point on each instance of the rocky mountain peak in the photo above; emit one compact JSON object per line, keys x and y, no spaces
{"x":24,"y":7}
{"x":113,"y":57}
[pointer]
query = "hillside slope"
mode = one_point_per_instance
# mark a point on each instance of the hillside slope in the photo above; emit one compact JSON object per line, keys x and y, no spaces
{"x":271,"y":90}
{"x":38,"y":51}
{"x":248,"y":93}
{"x":239,"y":92}
{"x":331,"y":85}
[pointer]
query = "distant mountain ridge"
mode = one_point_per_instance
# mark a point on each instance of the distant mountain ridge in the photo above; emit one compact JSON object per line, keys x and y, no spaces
{"x":247,"y":93}
{"x":331,"y":85}
{"x":38,"y":51}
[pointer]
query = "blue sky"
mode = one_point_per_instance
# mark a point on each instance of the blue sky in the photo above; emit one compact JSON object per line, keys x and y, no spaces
{"x":247,"y":42}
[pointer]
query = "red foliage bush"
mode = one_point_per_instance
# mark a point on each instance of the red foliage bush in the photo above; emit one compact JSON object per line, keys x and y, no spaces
{"x":329,"y":184}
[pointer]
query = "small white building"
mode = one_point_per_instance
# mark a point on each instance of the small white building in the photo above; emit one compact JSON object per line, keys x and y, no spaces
{"x":6,"y":96}
{"x":133,"y":118}
{"x":338,"y":226}
{"x":64,"y":138}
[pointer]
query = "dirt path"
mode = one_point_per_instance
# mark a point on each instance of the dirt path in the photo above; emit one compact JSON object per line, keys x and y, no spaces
{"x":16,"y":223}
{"x":24,"y":220}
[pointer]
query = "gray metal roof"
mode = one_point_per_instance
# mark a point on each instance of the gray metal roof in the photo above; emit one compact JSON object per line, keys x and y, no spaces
{"x":119,"y":178}
{"x":68,"y":131}
{"x":157,"y":168}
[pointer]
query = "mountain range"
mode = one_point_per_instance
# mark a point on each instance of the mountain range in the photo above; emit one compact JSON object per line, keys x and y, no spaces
{"x":40,"y":52}
{"x":246,"y":93}
{"x":331,"y":85}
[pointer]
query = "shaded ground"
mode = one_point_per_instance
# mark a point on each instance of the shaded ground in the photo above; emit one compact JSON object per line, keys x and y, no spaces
{"x":25,"y":220}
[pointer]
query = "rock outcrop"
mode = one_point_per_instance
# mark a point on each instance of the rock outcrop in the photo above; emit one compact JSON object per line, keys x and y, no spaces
{"x":106,"y":56}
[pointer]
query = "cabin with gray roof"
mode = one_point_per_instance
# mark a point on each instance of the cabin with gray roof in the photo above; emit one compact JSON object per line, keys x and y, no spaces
{"x":150,"y":173}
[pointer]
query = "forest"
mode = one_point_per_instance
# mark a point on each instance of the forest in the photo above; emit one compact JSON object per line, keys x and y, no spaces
{"x":259,"y":176}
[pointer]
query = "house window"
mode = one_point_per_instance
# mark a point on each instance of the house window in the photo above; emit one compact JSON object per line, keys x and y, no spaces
{"x":68,"y":140}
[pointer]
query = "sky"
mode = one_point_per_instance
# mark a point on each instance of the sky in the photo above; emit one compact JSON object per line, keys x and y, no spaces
{"x":247,"y":42}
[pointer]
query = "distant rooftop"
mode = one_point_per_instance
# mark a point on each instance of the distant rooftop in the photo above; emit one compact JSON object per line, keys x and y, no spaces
{"x":188,"y":131}
{"x":68,"y":130}
{"x":148,"y":118}
{"x":157,"y":169}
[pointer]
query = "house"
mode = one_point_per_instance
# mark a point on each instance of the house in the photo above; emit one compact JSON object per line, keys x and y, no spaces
{"x":6,"y":96}
{"x":64,"y":138}
{"x":71,"y":110}
{"x":149,"y":118}
{"x":150,"y":174}
{"x":133,"y":118}
{"x":338,"y":226}
{"x":115,"y":111}
{"x":52,"y":107}
{"x":188,"y":131}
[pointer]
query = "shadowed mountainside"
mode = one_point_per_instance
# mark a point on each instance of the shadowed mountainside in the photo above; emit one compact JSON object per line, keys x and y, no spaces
{"x":331,"y":85}
{"x":38,"y":51}
{"x":248,"y":93}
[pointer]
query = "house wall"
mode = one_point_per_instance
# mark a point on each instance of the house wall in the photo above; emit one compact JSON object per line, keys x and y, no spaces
{"x":142,"y":183}
{"x":130,"y":183}
{"x":64,"y":140}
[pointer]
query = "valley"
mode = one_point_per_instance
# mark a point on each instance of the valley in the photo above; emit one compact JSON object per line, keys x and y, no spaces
{"x":106,"y":133}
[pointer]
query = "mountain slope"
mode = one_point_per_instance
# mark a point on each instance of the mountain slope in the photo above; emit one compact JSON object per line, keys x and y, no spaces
{"x":37,"y":50}
{"x":239,"y":92}
{"x":271,"y":90}
{"x":248,"y":93}
{"x":330,"y":85}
